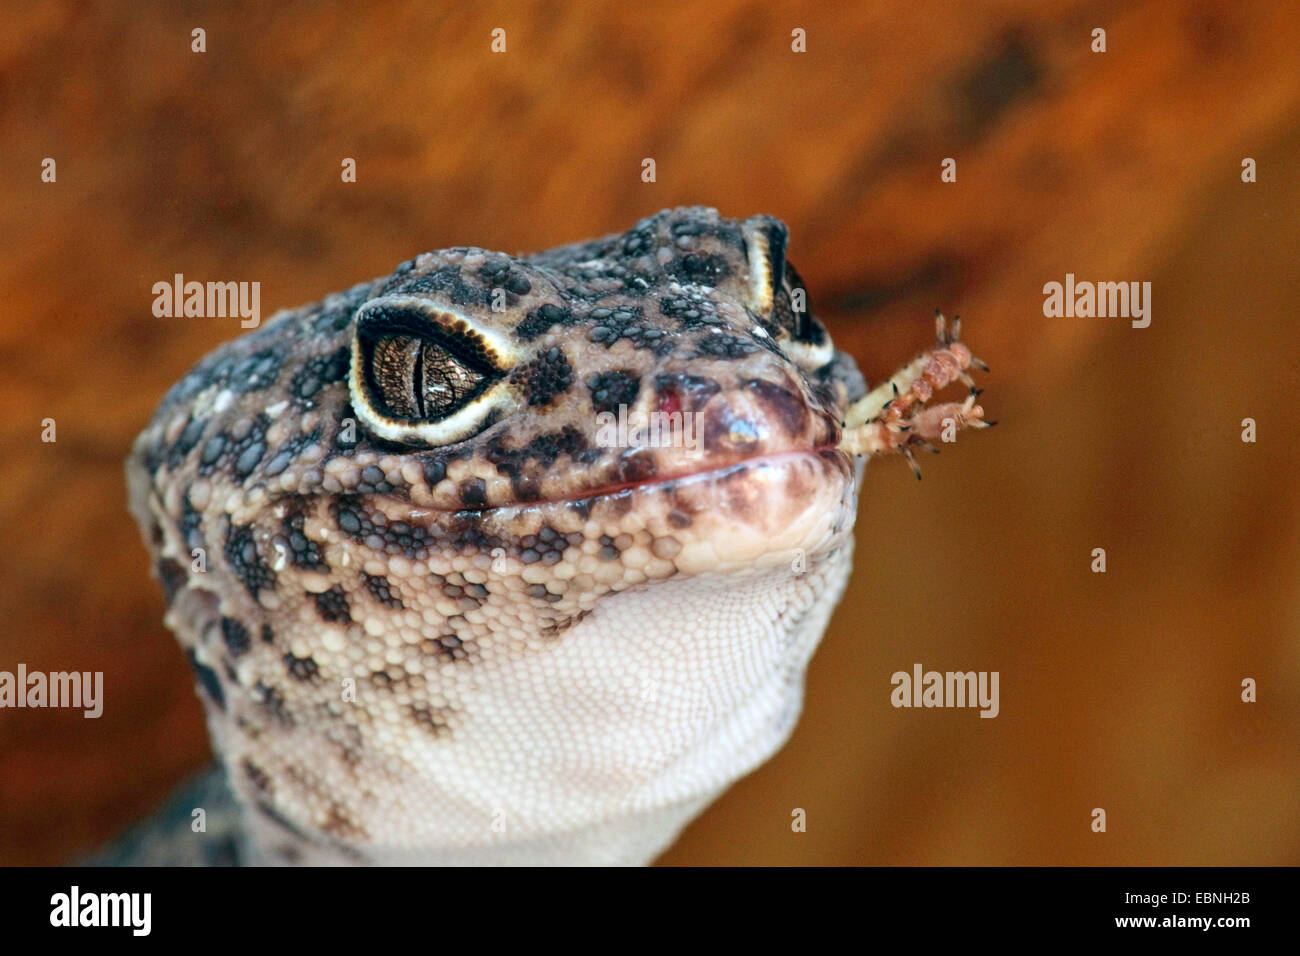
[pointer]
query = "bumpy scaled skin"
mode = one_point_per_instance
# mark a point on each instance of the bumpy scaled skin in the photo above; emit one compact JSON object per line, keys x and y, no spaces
{"x":433,"y":618}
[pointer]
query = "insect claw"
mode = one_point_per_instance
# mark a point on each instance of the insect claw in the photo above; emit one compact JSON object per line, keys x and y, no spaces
{"x":894,"y":386}
{"x":911,"y":461}
{"x":979,"y":364}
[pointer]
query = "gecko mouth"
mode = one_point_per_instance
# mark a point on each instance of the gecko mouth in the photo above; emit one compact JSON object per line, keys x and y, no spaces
{"x":747,"y":514}
{"x":720,"y":474}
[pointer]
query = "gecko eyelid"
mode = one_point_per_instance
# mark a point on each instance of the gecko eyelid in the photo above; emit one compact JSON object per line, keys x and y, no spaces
{"x":425,"y":375}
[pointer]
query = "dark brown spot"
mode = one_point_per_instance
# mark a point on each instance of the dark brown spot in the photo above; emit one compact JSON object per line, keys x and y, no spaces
{"x":725,"y":346}
{"x":337,"y":823}
{"x":436,"y":720}
{"x":207,"y":679}
{"x":548,"y":375}
{"x":236,"y":636}
{"x":539,"y":321}
{"x":245,"y":562}
{"x":473,"y":493}
{"x":258,"y":777}
{"x":332,"y":605}
{"x":383,"y":591}
{"x":707,"y":270}
{"x":172,"y":576}
{"x":634,"y":466}
{"x":559,"y":627}
{"x":272,"y":702}
{"x":301,"y":668}
{"x":784,"y":407}
{"x":609,"y":390}
{"x":448,"y":647}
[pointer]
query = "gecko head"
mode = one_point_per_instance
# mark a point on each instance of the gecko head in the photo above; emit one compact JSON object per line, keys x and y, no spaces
{"x":654,"y":403}
{"x":439,"y":473}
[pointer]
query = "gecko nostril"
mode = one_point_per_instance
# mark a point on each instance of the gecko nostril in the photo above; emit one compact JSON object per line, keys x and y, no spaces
{"x":669,"y":401}
{"x":690,"y":392}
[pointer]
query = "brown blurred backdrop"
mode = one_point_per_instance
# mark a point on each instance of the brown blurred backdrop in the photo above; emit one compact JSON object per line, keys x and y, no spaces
{"x":1118,"y":690}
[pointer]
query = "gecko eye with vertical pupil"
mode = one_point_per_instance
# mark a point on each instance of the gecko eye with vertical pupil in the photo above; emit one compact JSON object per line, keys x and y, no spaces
{"x":415,"y":378}
{"x":778,"y":296}
{"x":423,"y":375}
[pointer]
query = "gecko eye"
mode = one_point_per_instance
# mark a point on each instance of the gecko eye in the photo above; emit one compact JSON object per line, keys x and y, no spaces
{"x":416,"y":378}
{"x":423,"y":375}
{"x":778,"y":295}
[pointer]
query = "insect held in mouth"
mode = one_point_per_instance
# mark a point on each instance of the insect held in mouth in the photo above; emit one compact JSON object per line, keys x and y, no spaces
{"x":894,"y":417}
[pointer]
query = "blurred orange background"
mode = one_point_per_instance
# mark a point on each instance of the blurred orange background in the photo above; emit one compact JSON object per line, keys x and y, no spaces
{"x":1119,"y":690}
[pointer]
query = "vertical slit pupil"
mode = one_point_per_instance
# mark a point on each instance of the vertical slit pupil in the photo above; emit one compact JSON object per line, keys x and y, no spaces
{"x":391,"y":364}
{"x":417,"y":379}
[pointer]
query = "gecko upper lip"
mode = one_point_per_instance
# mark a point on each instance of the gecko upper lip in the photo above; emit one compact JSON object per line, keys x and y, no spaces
{"x":712,"y":473}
